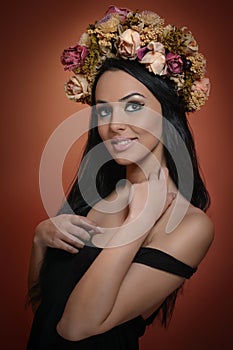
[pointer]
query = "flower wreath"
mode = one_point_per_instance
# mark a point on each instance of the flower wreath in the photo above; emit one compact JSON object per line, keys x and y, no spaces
{"x":164,"y":50}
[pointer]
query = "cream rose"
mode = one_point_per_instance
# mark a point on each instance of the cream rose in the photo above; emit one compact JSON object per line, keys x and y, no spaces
{"x":77,"y":88}
{"x":129,"y":44}
{"x":189,"y":42}
{"x":109,"y":23}
{"x":149,"y":17}
{"x":85,"y":40}
{"x":155,"y":59}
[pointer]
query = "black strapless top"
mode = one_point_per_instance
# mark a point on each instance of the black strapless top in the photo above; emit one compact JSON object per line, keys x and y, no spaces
{"x":61,"y":272}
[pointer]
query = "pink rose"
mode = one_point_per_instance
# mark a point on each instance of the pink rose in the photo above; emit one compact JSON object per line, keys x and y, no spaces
{"x":74,"y":56}
{"x":120,"y":10}
{"x":114,"y":10}
{"x":155,"y":59}
{"x":174,"y":63}
{"x":129,"y":44}
{"x":202,"y":85}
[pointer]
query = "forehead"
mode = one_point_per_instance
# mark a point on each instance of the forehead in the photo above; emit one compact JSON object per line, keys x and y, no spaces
{"x":113,"y":85}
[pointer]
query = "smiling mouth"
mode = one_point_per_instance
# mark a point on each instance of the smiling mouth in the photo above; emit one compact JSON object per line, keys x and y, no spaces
{"x":122,"y":144}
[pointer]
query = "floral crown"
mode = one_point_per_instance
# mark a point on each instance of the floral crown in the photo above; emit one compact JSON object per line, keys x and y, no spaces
{"x":166,"y":51}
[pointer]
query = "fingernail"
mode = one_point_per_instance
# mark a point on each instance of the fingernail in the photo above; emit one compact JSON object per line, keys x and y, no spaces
{"x":75,"y":251}
{"x":99,"y":229}
{"x":173,"y":195}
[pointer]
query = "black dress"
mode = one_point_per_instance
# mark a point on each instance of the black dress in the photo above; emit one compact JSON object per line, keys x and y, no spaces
{"x":61,"y":272}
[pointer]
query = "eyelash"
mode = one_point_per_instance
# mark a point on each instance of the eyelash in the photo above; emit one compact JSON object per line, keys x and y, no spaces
{"x":138,"y":104}
{"x":100,"y":110}
{"x":108,"y":110}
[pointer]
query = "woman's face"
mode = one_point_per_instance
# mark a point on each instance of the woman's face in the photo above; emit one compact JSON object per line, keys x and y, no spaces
{"x":129,"y":117}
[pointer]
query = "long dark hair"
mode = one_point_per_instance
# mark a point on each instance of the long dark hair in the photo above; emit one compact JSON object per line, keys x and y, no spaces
{"x":174,"y":118}
{"x":110,"y":173}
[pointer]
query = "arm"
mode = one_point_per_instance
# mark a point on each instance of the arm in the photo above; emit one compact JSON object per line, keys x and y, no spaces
{"x":114,"y":290}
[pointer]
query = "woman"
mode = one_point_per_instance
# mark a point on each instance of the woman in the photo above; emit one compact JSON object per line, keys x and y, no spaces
{"x":98,"y":277}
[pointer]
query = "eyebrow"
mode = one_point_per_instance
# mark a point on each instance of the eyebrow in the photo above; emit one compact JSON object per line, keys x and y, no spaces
{"x":123,"y":98}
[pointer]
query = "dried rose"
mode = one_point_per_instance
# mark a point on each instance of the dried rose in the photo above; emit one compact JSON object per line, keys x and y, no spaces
{"x":174,"y":63}
{"x":108,"y":24}
{"x":85,"y":40}
{"x":167,"y":29}
{"x":179,"y":80}
{"x":138,"y":27}
{"x":202,"y":85}
{"x":129,"y":44}
{"x":74,"y":56}
{"x":77,"y":87}
{"x":112,"y":18}
{"x":123,"y":12}
{"x":141,"y":52}
{"x":189,"y":42}
{"x":155,"y":59}
{"x":149,"y":17}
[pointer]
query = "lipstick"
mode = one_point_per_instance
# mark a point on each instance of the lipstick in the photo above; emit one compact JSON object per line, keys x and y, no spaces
{"x":122,"y":143}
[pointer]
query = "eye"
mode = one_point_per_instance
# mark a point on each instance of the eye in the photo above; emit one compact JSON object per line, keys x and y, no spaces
{"x":134,"y":106}
{"x":104,"y":111}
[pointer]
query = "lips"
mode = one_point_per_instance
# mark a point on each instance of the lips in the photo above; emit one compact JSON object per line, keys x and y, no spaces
{"x":122,"y":143}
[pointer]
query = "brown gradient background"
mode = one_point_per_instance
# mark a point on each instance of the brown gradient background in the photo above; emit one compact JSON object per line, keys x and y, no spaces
{"x":33,"y":104}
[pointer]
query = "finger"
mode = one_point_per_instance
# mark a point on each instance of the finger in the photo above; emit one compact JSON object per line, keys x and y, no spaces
{"x":158,"y":186}
{"x":85,"y":223}
{"x":157,"y":181}
{"x":70,"y":244}
{"x":163,"y":173}
{"x":67,"y":247}
{"x":131,"y":193}
{"x":73,"y":240}
{"x":79,"y":232}
{"x":170,"y":197}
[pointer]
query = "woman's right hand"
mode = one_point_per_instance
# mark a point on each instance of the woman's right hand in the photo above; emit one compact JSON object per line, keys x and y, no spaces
{"x":66,"y":231}
{"x":150,"y":199}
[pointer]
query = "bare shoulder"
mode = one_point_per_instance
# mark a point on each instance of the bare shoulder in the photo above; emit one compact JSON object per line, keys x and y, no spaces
{"x":190,"y":240}
{"x":197,"y":224}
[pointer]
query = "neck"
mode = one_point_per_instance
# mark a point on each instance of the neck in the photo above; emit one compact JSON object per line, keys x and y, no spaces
{"x":151,"y":163}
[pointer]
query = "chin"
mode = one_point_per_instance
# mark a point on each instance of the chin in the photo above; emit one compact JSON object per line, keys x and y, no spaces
{"x":123,"y":161}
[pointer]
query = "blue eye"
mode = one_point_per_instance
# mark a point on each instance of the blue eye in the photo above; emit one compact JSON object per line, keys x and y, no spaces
{"x":134,"y":106}
{"x":104,"y":111}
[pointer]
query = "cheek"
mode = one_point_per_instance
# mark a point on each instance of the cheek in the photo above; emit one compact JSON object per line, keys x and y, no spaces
{"x":150,"y":123}
{"x":154,"y":127}
{"x":103,"y":131}
{"x":149,"y":140}
{"x":150,"y":130}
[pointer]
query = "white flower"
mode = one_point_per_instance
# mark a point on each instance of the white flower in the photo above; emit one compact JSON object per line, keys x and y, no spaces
{"x":85,"y":40}
{"x":149,"y":17}
{"x":129,"y":44}
{"x":77,"y":88}
{"x":155,"y":59}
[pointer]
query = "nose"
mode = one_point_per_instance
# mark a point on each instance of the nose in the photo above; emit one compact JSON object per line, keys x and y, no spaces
{"x":118,"y":119}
